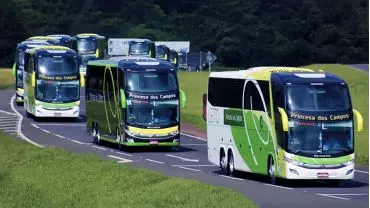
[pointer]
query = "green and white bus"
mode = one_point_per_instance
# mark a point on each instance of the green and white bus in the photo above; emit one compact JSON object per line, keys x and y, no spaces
{"x":142,"y":48}
{"x":133,"y":102}
{"x":51,"y":82}
{"x":284,"y":122}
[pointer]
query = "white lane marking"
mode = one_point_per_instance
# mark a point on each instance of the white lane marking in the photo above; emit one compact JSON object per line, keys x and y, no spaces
{"x":7,"y":124}
{"x":283,"y":187}
{"x":120,"y":159}
{"x":225,"y":176}
{"x":335,"y":197}
{"x":182,"y":158}
{"x":121,"y":153}
{"x":8,"y":127}
{"x":78,"y":142}
{"x":11,"y":121}
{"x":194,"y":137}
{"x":45,"y":131}
{"x":359,"y":194}
{"x":188,"y":168}
{"x":34,"y":125}
{"x":9,"y":113}
{"x":7,"y":130}
{"x":155,"y":161}
{"x":193,"y":144}
{"x":60,"y":136}
{"x":97,"y":147}
{"x":196,"y":165}
{"x":19,"y":125}
{"x":361,"y":171}
{"x":60,"y":124}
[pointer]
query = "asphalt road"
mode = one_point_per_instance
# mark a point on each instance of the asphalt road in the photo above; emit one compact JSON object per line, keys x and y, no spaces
{"x":364,"y":67}
{"x":188,"y":161}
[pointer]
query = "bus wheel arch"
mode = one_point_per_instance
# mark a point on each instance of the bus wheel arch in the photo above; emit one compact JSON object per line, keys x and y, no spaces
{"x":223,"y":160}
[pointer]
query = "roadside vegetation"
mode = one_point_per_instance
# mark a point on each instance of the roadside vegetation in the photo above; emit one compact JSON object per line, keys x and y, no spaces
{"x":6,"y":78}
{"x":51,"y":177}
{"x":194,"y":85}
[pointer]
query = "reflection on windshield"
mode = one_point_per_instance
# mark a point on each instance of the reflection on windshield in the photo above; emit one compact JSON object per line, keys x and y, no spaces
{"x":154,"y":113}
{"x":320,"y":138}
{"x":57,"y":91}
{"x":139,"y":48}
{"x":86,"y":45}
{"x":160,"y":52}
{"x":318,"y":97}
{"x":151,"y":81}
{"x":57,"y":65}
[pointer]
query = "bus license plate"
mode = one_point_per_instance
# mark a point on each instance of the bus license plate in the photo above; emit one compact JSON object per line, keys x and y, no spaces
{"x":57,"y":114}
{"x":153,"y":142}
{"x":323,"y":175}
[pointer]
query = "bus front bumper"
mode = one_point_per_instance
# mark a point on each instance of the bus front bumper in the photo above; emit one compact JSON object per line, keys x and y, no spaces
{"x":344,"y":172}
{"x":170,"y":141}
{"x":73,"y":112}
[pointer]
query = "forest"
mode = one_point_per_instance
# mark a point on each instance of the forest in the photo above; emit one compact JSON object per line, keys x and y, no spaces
{"x":240,"y":32}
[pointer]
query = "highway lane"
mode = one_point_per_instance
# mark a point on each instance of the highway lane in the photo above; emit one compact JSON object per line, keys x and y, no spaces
{"x":190,"y":161}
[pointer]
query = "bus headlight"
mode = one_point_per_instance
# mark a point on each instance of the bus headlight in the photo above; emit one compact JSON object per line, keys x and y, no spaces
{"x":349,"y":162}
{"x":293,"y":162}
{"x":174,"y":133}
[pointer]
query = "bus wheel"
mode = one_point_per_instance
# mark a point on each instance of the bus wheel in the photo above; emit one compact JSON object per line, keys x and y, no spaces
{"x":230,"y":165}
{"x":119,"y":140}
{"x":97,"y":135}
{"x":223,"y":162}
{"x":271,"y":171}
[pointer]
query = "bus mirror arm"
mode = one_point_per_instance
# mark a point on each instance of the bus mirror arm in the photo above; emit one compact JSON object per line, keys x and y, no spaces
{"x":284,"y":119}
{"x":33,"y":79}
{"x":359,"y":120}
{"x":182,"y":99}
{"x":123,"y":98}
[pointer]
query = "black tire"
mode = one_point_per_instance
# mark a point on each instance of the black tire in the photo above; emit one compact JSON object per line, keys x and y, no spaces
{"x":97,"y":135}
{"x":230,"y":165}
{"x":223,"y":162}
{"x":271,"y":171}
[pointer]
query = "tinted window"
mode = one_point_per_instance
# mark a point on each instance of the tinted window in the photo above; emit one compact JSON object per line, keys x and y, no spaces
{"x":57,"y":65}
{"x":151,"y":81}
{"x":225,"y":92}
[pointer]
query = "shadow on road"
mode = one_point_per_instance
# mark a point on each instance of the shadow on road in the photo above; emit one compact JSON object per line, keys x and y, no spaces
{"x":299,"y":183}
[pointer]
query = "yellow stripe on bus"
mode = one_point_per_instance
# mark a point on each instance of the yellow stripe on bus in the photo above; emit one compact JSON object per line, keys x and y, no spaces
{"x":153,"y":131}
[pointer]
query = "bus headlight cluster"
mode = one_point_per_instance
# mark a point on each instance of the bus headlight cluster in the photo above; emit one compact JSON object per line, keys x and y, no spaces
{"x":174,"y":133}
{"x":349,"y":162}
{"x":293,"y":162}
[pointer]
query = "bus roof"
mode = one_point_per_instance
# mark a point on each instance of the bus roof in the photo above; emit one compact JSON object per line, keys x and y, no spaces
{"x":39,"y":38}
{"x":137,"y":63}
{"x":307,"y":78}
{"x":89,"y":35}
{"x":51,"y":49}
{"x":61,"y":37}
{"x":259,"y":73}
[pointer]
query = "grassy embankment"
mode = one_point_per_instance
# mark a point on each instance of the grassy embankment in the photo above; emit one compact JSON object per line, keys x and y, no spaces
{"x":51,"y":177}
{"x":194,"y":85}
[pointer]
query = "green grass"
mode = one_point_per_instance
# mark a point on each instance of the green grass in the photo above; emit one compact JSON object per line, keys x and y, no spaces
{"x":194,"y":85}
{"x":6,"y":78}
{"x":50,"y":177}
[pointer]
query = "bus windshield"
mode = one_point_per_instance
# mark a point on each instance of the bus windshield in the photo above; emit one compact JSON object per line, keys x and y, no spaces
{"x":86,"y":46}
{"x":160,"y":52}
{"x":58,"y":91}
{"x":57,"y":65}
{"x":318,"y":97}
{"x":320,"y":138}
{"x":20,"y":63}
{"x":149,"y":82}
{"x":152,"y":113}
{"x":139,"y":49}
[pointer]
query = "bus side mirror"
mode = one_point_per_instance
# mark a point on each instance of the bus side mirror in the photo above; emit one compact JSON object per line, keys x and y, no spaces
{"x":97,"y":53}
{"x":123,"y":98}
{"x":33,"y":79}
{"x":182,"y":99}
{"x":284,"y":119}
{"x":205,"y":106}
{"x":13,"y":69}
{"x":359,"y":120}
{"x":82,"y":80}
